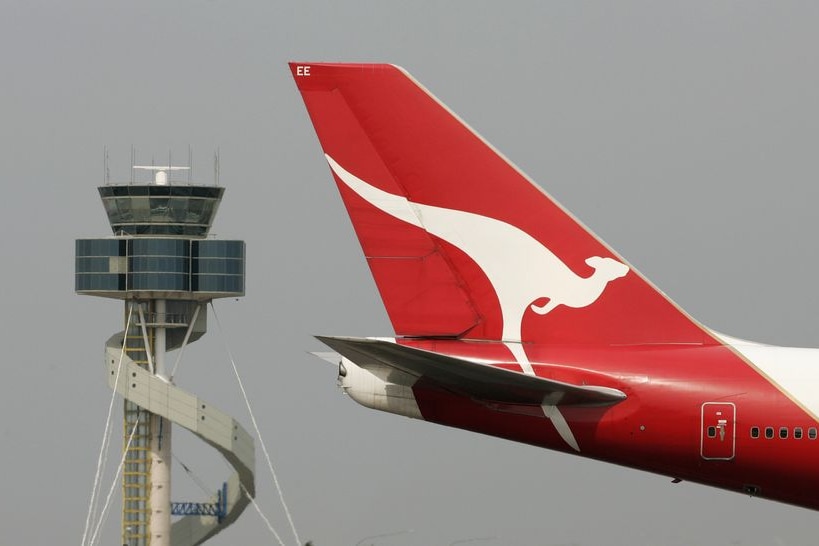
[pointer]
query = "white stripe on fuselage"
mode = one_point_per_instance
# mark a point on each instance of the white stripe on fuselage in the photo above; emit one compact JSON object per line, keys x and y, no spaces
{"x":795,"y":371}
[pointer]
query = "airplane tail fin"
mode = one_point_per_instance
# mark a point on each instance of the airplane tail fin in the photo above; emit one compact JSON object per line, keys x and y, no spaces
{"x":460,"y":242}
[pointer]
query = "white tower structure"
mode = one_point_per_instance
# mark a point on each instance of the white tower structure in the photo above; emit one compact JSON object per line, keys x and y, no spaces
{"x":161,"y":263}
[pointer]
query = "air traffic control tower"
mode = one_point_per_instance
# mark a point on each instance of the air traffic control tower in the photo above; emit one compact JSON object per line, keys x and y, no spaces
{"x":161,"y":263}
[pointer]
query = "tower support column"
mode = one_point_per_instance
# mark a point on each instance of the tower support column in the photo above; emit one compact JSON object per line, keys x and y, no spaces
{"x":160,"y":481}
{"x":160,"y":442}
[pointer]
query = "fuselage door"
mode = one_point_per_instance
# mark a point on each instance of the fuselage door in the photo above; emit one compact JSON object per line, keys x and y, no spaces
{"x":718,"y":431}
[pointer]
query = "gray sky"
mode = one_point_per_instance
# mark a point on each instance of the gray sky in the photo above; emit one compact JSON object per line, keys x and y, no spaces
{"x":684,"y":134}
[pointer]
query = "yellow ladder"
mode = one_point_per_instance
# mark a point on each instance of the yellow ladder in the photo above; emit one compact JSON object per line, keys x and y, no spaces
{"x":136,"y":470}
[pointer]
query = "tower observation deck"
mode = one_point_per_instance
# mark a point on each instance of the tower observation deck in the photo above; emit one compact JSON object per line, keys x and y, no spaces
{"x":162,"y":264}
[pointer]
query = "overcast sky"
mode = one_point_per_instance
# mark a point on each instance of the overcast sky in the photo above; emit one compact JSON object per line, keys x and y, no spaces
{"x":683,"y":133}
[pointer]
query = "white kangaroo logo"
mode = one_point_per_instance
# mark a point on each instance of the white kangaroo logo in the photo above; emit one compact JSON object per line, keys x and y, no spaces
{"x":519,"y":267}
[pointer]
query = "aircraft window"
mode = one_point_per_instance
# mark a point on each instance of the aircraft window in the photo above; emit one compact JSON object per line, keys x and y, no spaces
{"x":797,"y":433}
{"x":768,"y":432}
{"x":754,"y":432}
{"x":712,"y":432}
{"x":783,"y":432}
{"x":812,"y":433}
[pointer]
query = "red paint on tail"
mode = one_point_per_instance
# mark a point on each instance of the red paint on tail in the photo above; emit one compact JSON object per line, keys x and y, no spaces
{"x":387,"y":130}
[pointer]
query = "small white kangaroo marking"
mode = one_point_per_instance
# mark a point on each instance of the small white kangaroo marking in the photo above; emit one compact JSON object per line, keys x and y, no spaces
{"x":520,"y":268}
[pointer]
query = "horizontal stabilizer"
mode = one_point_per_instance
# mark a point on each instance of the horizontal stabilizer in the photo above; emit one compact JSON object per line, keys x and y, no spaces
{"x":331,"y":358}
{"x":480,"y":381}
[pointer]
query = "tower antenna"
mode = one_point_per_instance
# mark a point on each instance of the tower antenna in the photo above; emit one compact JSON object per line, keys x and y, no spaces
{"x":107,"y":173}
{"x":216,"y":167}
{"x":133,"y":161}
